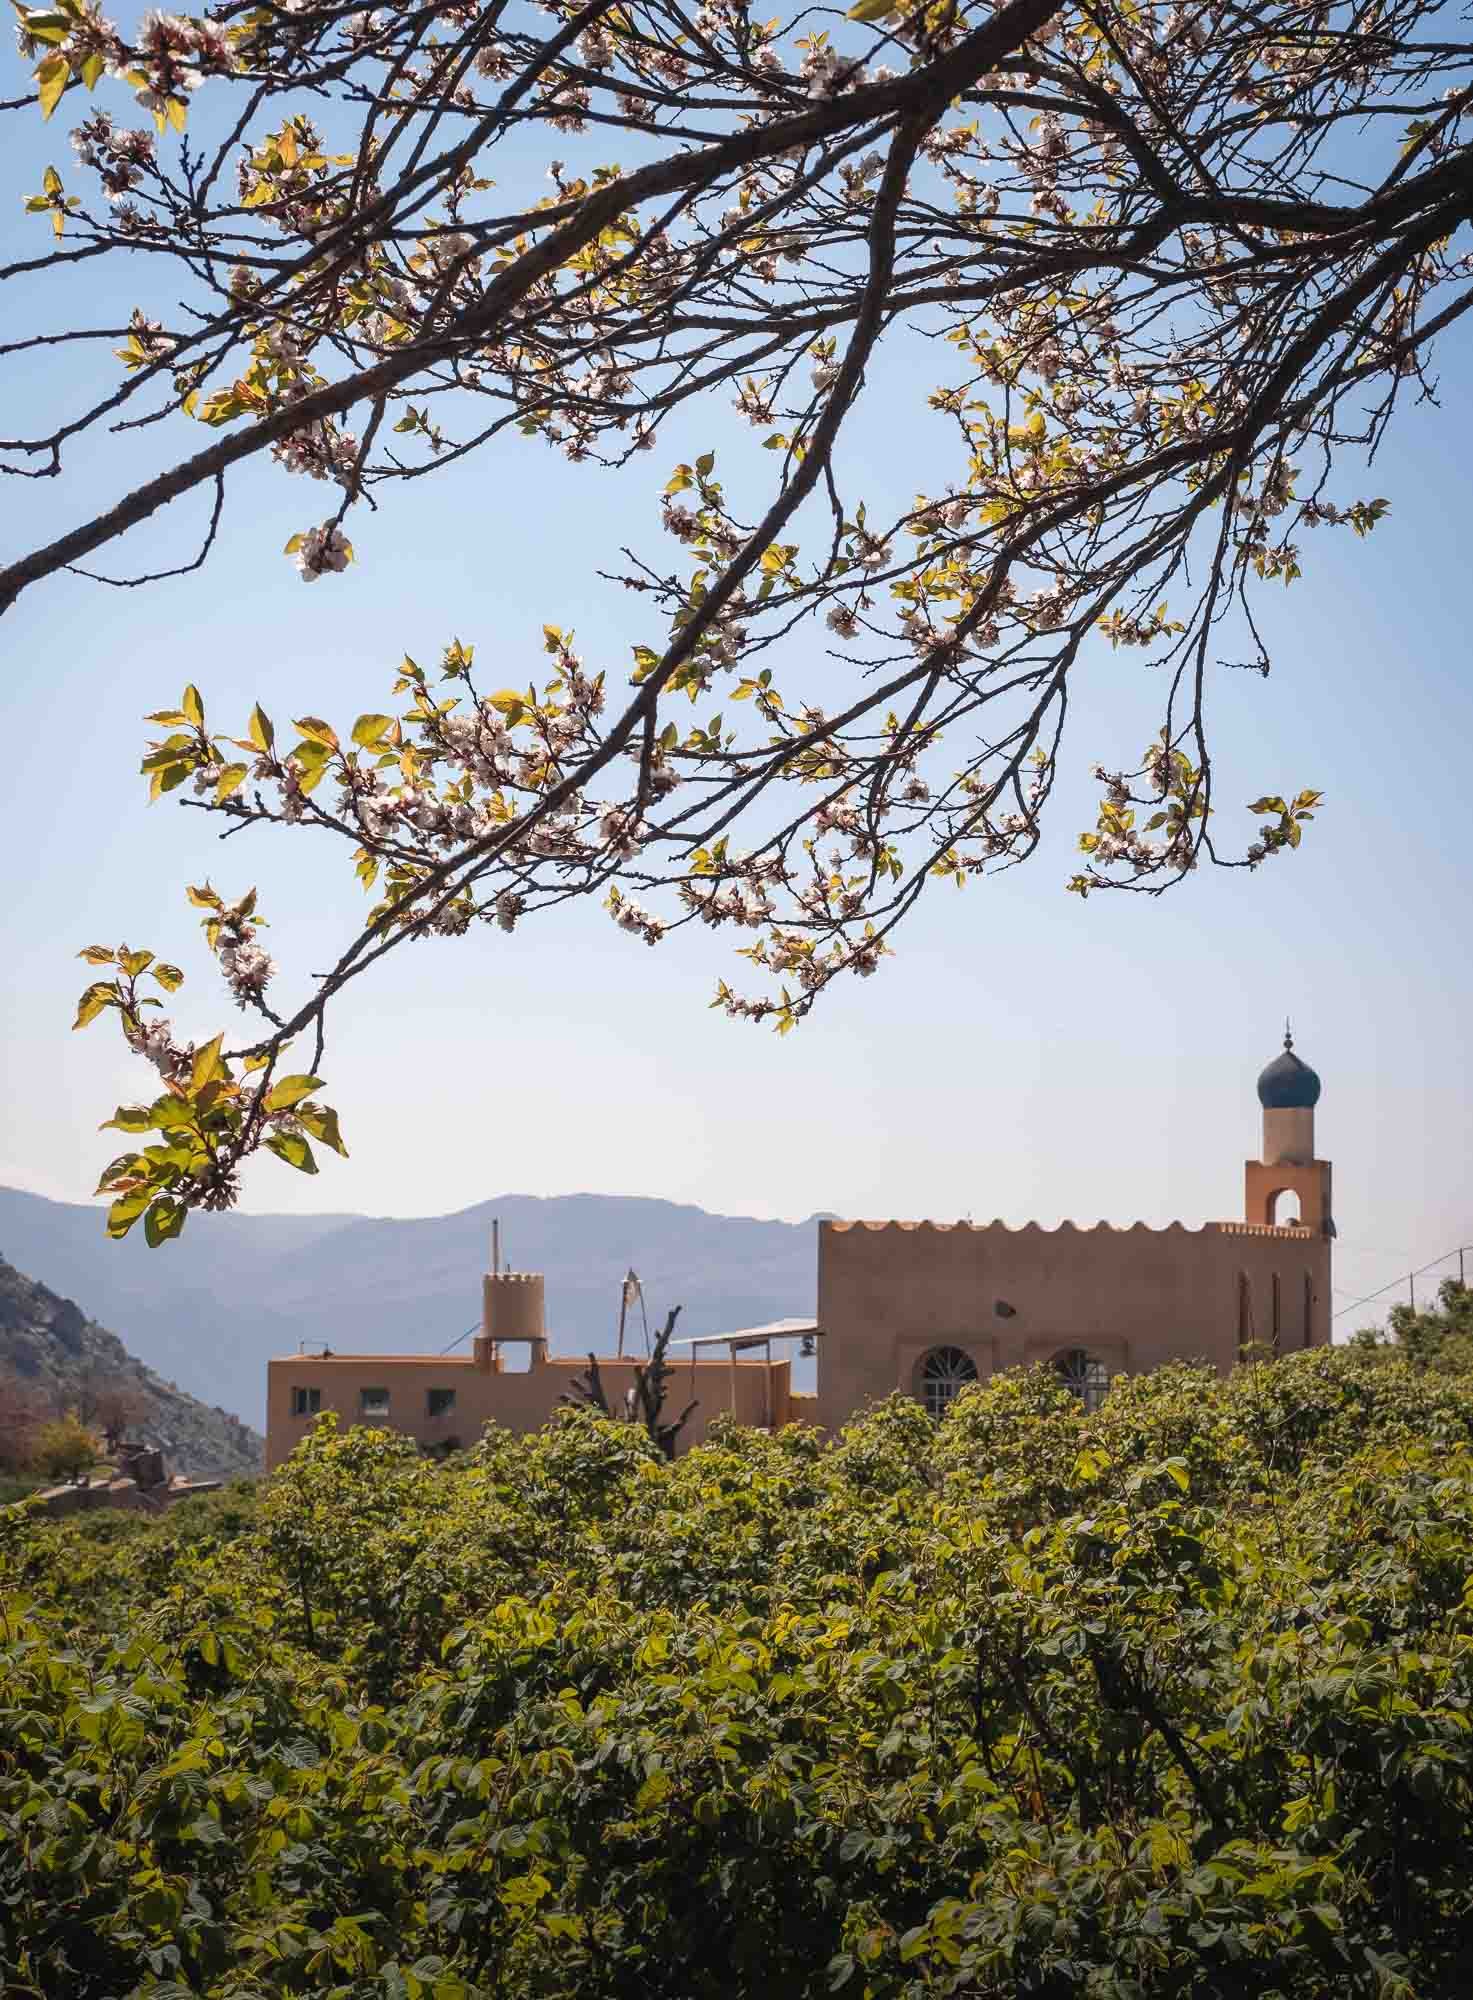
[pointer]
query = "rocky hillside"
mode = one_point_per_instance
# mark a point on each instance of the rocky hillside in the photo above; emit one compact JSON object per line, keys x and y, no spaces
{"x":66,"y":1360}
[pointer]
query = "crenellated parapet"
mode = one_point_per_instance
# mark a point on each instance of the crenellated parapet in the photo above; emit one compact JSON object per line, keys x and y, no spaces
{"x":512,"y":1309}
{"x":1292,"y":1231}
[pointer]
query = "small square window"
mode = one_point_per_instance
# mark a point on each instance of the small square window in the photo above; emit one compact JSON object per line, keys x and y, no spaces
{"x":439,"y":1402}
{"x":373,"y":1402}
{"x":306,"y":1402}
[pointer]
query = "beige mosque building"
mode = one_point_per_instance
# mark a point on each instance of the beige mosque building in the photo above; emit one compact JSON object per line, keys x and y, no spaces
{"x":922,"y":1307}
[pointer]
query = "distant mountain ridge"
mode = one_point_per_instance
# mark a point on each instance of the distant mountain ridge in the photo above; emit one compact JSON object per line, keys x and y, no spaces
{"x":52,"y":1347}
{"x":209,"y":1309}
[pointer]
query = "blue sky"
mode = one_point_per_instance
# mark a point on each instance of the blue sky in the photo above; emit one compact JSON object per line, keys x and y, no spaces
{"x":1023,"y":1055}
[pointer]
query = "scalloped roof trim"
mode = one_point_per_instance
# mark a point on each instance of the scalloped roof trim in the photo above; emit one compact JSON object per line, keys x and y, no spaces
{"x":1077,"y":1228}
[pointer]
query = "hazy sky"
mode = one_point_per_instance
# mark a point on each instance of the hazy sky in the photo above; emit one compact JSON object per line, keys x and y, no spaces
{"x":1023,"y":1055}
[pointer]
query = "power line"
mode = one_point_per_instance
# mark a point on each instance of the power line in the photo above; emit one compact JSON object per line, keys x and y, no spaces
{"x":1405,"y":1278}
{"x":474,"y":1327}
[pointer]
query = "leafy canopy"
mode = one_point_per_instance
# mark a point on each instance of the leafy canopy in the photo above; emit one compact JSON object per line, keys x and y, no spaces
{"x":1161,"y":275}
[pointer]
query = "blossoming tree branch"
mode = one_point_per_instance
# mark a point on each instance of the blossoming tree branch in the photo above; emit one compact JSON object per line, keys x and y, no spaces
{"x":1175,"y":268}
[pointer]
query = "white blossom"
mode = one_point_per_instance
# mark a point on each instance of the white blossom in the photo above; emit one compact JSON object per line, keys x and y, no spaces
{"x":322,"y":549}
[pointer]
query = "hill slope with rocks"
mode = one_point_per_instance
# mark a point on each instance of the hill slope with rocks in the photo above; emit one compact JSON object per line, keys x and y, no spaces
{"x":209,"y":1309}
{"x":63,"y":1359}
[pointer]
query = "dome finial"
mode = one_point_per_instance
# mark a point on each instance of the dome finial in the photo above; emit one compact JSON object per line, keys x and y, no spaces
{"x":1288,"y":1083}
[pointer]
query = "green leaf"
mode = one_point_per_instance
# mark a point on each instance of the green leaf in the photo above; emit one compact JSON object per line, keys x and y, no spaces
{"x":369,"y":731}
{"x":260,"y":730}
{"x":207,"y":1063}
{"x":318,"y":731}
{"x":322,"y":1122}
{"x":130,"y":1118}
{"x":126,"y":1210}
{"x":168,"y":755}
{"x":103,"y":993}
{"x":230,"y":780}
{"x":173,"y":1114}
{"x":193,"y":707}
{"x":168,"y":976}
{"x":291,"y":1090}
{"x":52,"y":77}
{"x":164,"y":1220}
{"x":98,"y":954}
{"x":293,"y":1148}
{"x":123,"y":1168}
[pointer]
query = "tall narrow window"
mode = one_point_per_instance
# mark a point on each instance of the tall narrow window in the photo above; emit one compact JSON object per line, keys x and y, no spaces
{"x":1308,"y":1310}
{"x":1278,"y":1312}
{"x":1245,"y":1315}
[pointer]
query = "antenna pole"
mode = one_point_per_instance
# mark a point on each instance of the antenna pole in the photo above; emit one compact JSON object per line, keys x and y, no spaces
{"x":496,"y":1248}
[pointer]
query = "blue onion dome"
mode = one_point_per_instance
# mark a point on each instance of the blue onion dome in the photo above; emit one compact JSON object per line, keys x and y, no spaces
{"x":1288,"y":1084}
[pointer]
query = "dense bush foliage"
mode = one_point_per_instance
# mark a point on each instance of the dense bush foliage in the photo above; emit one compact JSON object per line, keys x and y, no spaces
{"x":64,"y":1447}
{"x":1441,"y":1339}
{"x":1172,"y":1700}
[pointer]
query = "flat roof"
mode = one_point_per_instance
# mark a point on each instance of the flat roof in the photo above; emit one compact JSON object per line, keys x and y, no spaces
{"x":754,"y":1337}
{"x":417,"y":1360}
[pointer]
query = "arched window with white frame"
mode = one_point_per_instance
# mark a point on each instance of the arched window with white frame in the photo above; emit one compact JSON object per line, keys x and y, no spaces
{"x":944,"y":1373}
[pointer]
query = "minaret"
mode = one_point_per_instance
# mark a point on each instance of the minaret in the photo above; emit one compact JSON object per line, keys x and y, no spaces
{"x":1288,"y":1090}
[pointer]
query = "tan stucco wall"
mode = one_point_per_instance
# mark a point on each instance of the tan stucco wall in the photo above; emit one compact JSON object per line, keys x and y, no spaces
{"x":758,"y":1392}
{"x":890,"y":1292}
{"x":1288,"y":1134}
{"x":1264,"y":1183}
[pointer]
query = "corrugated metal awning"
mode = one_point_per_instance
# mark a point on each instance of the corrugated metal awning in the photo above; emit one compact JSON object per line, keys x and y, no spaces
{"x":754,"y":1336}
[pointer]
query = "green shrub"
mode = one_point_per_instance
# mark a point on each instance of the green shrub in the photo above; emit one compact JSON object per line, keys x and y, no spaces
{"x":1169,"y":1702}
{"x":64,"y":1448}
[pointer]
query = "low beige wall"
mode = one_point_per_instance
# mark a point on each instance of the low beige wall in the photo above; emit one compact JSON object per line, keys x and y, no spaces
{"x":756,"y":1392}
